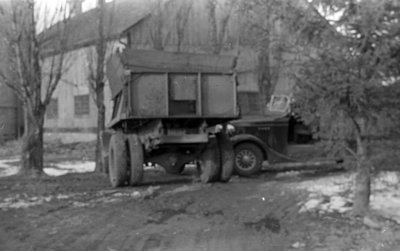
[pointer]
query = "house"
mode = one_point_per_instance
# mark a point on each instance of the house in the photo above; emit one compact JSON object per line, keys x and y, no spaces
{"x":11,"y":114}
{"x":72,"y":107}
{"x":173,"y":25}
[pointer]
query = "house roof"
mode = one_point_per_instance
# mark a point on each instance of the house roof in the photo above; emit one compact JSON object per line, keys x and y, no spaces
{"x":119,"y":15}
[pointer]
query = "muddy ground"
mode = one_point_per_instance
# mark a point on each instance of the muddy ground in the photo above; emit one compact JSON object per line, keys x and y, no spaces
{"x":82,"y":212}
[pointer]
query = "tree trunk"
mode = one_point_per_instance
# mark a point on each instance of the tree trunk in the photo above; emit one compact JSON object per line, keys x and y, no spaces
{"x":362,"y":188}
{"x":32,"y":146}
{"x":264,"y":79}
{"x":100,"y":128}
{"x":212,"y":19}
{"x":99,"y":88}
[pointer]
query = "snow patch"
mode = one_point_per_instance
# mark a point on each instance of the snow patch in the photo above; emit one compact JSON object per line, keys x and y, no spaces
{"x":387,"y":203}
{"x":386,"y":179}
{"x":11,"y":166}
{"x":335,"y":194}
{"x":18,"y":202}
{"x":69,"y":137}
{"x":23,"y":201}
{"x":8,"y":167}
{"x":63,"y":168}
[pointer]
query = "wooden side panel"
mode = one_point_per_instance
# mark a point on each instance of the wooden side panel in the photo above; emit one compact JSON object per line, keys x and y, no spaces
{"x":161,"y":95}
{"x":149,"y":95}
{"x":183,"y":94}
{"x":183,"y":87}
{"x":219,"y":96}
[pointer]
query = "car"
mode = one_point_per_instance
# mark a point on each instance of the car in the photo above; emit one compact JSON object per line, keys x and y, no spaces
{"x":257,"y":139}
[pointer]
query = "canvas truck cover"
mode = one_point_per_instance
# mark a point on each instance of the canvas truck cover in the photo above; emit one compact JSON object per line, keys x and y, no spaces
{"x":147,"y":61}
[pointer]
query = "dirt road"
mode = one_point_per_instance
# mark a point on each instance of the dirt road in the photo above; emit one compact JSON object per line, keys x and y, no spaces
{"x":81,"y":212}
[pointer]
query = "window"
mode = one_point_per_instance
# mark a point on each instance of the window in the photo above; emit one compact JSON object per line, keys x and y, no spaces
{"x":52,"y":109}
{"x":81,"y":105}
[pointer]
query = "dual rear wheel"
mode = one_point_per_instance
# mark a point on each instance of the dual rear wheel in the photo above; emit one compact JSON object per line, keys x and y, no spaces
{"x":216,"y":161}
{"x":125,"y":160}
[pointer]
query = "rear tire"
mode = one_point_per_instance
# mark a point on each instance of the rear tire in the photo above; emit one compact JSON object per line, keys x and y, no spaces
{"x":227,"y":156}
{"x":118,"y":160}
{"x":248,"y":159}
{"x":136,"y":160}
{"x":210,"y":162}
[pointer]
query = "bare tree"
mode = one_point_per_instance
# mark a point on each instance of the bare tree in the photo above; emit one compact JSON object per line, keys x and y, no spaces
{"x":31,"y":75}
{"x":159,"y":32}
{"x":96,"y":58}
{"x":263,"y":28}
{"x":169,"y":24}
{"x":181,"y":22}
{"x":99,"y":83}
{"x":218,"y":30}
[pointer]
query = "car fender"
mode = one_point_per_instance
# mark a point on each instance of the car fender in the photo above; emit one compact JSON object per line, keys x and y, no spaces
{"x":242,"y":138}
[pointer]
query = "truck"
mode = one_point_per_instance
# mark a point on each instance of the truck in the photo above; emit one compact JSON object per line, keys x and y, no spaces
{"x":170,"y":109}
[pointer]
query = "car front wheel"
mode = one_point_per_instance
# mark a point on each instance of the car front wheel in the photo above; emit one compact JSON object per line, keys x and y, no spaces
{"x":248,"y":159}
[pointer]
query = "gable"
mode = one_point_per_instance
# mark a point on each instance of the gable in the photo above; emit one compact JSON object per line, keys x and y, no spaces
{"x":83,"y":28}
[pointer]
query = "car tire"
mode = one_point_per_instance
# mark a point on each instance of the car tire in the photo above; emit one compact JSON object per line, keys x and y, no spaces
{"x":118,"y":160}
{"x":248,"y":159}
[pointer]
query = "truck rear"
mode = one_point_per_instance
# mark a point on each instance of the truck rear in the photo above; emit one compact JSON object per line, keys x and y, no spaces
{"x":170,"y":109}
